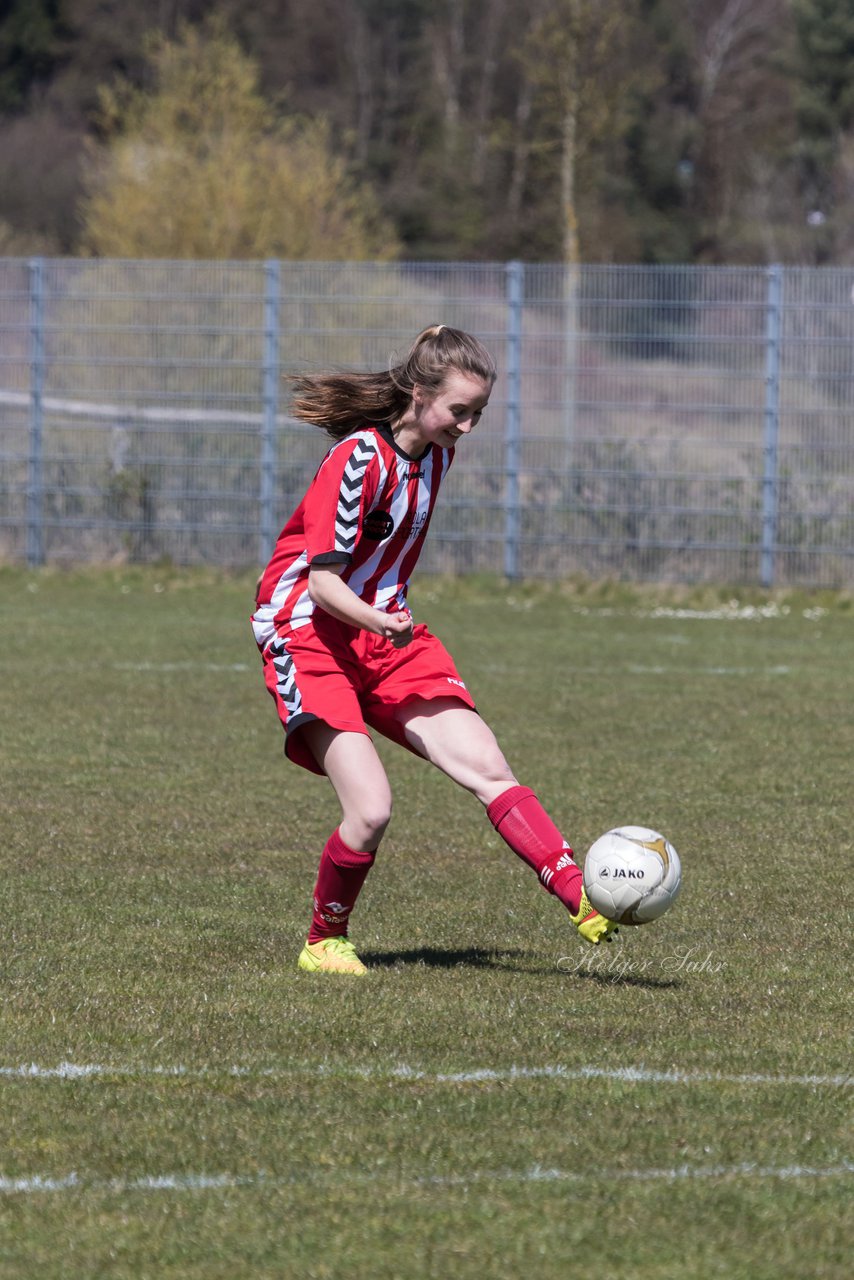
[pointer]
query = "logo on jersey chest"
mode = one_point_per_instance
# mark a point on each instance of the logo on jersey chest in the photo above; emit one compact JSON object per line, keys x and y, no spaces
{"x":377,"y":525}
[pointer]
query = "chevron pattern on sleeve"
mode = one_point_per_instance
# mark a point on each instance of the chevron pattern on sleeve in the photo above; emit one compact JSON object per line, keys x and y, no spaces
{"x":347,"y":514}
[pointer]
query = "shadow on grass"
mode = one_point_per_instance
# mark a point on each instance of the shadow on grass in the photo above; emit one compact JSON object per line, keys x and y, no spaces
{"x":439,"y":958}
{"x":511,"y":960}
{"x":606,"y":979}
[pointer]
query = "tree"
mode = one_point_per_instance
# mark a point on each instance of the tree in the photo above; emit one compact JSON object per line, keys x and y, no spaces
{"x":201,"y":166}
{"x":581,"y":57}
{"x":29,"y":47}
{"x":742,"y":117}
{"x":650,"y":130}
{"x":823,"y":67}
{"x":707,"y":142}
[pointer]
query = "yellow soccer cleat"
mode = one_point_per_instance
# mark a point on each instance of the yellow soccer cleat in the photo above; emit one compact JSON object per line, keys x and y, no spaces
{"x":591,"y":924}
{"x":331,"y":955}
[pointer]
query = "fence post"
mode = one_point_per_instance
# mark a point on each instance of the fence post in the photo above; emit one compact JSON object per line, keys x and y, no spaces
{"x":35,"y":462}
{"x":571,"y":291}
{"x":513,"y":430}
{"x":270,"y":408}
{"x":771,"y":434}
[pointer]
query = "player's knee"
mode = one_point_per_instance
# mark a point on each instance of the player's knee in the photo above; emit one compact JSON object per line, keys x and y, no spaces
{"x":370,"y":820}
{"x":492,"y":776}
{"x":494,"y":768}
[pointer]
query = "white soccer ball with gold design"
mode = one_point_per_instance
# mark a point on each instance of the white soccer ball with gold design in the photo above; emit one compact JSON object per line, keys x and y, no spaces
{"x":632,"y":875}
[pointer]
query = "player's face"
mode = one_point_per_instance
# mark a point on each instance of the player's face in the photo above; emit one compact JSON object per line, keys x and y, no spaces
{"x":442,"y":417}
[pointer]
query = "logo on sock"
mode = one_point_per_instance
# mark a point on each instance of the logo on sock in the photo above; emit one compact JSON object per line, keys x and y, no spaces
{"x":566,"y":860}
{"x":332,"y":912}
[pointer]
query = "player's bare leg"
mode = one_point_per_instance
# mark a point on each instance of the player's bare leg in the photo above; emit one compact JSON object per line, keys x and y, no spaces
{"x":353,"y":767}
{"x":461,"y":744}
{"x":358,"y":778}
{"x":455,"y":739}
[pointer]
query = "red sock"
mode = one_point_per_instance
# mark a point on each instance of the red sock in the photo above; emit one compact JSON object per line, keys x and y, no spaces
{"x":521,"y":820}
{"x":340,"y":877}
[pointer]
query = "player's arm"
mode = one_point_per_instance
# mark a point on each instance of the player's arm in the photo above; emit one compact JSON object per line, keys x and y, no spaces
{"x":330,"y":592}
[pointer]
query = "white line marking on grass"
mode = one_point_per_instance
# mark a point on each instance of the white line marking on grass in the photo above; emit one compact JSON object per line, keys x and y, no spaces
{"x":636,"y":670}
{"x":629,"y":1075}
{"x":167,"y":668}
{"x":15,"y":1186}
{"x":680,"y":1172}
{"x":179,"y":666}
{"x":626,"y":1075}
{"x":162,"y":1182}
{"x":39,"y":1184}
{"x":85,"y":1071}
{"x":732,"y":611}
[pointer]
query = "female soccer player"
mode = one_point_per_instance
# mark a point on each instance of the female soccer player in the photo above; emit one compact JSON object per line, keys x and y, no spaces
{"x":341,"y":651}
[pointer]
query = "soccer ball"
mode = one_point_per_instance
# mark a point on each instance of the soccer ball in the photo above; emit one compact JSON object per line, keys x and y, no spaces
{"x":632,"y":875}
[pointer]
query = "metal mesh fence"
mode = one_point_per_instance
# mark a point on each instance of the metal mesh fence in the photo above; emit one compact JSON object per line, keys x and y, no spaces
{"x":668,"y":423}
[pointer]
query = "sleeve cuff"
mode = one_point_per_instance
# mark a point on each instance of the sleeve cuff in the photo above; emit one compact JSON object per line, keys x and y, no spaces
{"x":330,"y":557}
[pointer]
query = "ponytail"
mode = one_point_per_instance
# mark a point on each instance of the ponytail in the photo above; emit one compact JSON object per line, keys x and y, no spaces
{"x":340,"y":403}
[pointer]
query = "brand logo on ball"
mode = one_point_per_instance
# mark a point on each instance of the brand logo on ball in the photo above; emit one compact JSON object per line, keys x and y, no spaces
{"x":377,"y":525}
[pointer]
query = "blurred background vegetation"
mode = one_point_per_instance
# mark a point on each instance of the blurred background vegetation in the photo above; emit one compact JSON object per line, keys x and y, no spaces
{"x":650,"y":131}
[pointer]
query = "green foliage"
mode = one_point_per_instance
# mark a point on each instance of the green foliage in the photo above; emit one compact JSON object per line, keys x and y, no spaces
{"x":29,"y":47}
{"x":824,"y":70}
{"x":825,"y":50}
{"x":656,"y":130}
{"x":21,"y":244}
{"x":200,"y":167}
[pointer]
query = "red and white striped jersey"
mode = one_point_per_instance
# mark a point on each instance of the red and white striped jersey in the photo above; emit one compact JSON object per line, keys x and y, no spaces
{"x":368,"y":507}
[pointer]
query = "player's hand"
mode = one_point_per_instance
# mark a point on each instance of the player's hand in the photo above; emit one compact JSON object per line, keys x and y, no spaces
{"x":397,"y":627}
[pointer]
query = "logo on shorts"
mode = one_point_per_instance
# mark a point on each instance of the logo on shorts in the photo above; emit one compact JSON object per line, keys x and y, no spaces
{"x":377,"y":525}
{"x":451,"y":680}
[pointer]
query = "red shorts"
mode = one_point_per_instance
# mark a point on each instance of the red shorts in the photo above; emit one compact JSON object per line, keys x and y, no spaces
{"x":350,"y":679}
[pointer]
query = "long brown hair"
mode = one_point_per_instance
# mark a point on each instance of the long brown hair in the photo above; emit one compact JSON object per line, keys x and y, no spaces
{"x":340,"y":403}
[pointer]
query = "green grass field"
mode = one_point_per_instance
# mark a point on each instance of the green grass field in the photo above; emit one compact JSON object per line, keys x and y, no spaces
{"x":493,"y":1100}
